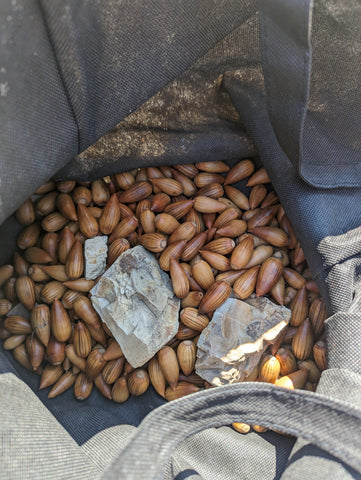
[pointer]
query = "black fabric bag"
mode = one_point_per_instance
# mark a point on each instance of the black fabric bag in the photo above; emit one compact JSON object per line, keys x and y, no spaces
{"x":275,"y":80}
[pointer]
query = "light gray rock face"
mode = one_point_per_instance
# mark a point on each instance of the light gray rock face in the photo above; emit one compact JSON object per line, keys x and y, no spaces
{"x":95,"y":252}
{"x":230,"y":347}
{"x":136,"y":300}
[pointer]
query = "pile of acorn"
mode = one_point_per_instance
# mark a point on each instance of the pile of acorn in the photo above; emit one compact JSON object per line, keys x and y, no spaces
{"x":210,"y":237}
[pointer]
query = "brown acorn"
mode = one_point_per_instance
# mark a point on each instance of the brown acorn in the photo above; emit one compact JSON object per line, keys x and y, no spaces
{"x":46,"y":204}
{"x":259,"y":255}
{"x":40,"y":321}
{"x":286,"y":360}
{"x":193,"y":247}
{"x":116,"y":249}
{"x":124,"y":180}
{"x":203,"y":274}
{"x":80,"y":285}
{"x":120,"y":391}
{"x":215,"y":296}
{"x":66,"y":240}
{"x":185,"y":333}
{"x":271,"y":199}
{"x":57,"y":272}
{"x":35,"y":351}
{"x":186,"y":231}
{"x":112,"y":370}
{"x":261,"y":176}
{"x":299,"y":255}
{"x":245,"y":284}
{"x":87,"y":223}
{"x":85,"y":310}
{"x":242,"y":253}
{"x":110,"y":216}
{"x":168,"y":362}
{"x":48,"y":186}
{"x":124,"y":228}
{"x":213,"y":190}
{"x":293,"y":278}
{"x":82,"y":387}
{"x":6,"y":272}
{"x":14,"y":341}
{"x":172,"y":251}
{"x":64,"y":383}
{"x":25,"y":214}
{"x":82,"y":195}
{"x":259,"y":428}
{"x":50,"y":375}
{"x":192,"y":378}
{"x":318,"y":315}
{"x":53,"y":222}
{"x":166,"y":223}
{"x":25,"y":291}
{"x":82,"y":340}
{"x":135,"y":192}
{"x":37,"y":255}
{"x":4,"y":333}
{"x":179,"y":209}
{"x":302,"y":342}
{"x":74,"y":265}
{"x":95,"y":363}
{"x":237,"y":197}
{"x":299,"y":307}
{"x":189,"y":188}
{"x":181,"y":390}
{"x":159,"y":202}
{"x":269,"y":274}
{"x":157,"y":378}
{"x":170,"y":186}
{"x":65,"y":186}
{"x":269,"y":369}
{"x":314,"y":373}
{"x":100,"y":192}
{"x":55,"y":351}
{"x":214,"y":166}
{"x":37,"y":274}
{"x":6,"y":306}
{"x":222,"y":245}
{"x":290,"y":294}
{"x":293,"y":380}
{"x":21,"y":356}
{"x":187,"y":169}
{"x":215,"y":260}
{"x":138,"y":382}
{"x":10,"y":290}
{"x":274,"y":236}
{"x":186,"y":354}
{"x":206,"y":178}
{"x":230,"y":276}
{"x":113,"y":351}
{"x":147,"y":221}
{"x":208,"y":205}
{"x":290,"y":333}
{"x":103,"y":387}
{"x":69,"y":298}
{"x":193,"y":319}
{"x":197,"y":219}
{"x":154,"y":242}
{"x":77,"y":361}
{"x":66,"y":207}
{"x":241,"y":427}
{"x":278,"y":291}
{"x":262,"y":217}
{"x":28,"y":237}
{"x":193,"y":299}
{"x":49,"y":243}
{"x":287,"y":227}
{"x":241,"y":170}
{"x":257,"y":195}
{"x":320,"y":354}
{"x":179,"y":279}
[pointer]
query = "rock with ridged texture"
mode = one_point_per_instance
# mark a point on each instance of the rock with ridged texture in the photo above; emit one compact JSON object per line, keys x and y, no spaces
{"x":230,"y":347}
{"x":135,"y":299}
{"x":95,"y":253}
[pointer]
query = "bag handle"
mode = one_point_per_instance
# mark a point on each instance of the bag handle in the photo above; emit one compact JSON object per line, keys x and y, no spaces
{"x":313,"y":415}
{"x":286,"y":61}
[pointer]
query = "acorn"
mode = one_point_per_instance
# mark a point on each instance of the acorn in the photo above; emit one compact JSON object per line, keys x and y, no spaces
{"x":213,"y":190}
{"x":299,"y":307}
{"x":320,"y":354}
{"x":293,"y":380}
{"x":75,"y":359}
{"x":147,"y":221}
{"x":206,"y":178}
{"x":25,"y":214}
{"x":241,"y":170}
{"x":124,"y":180}
{"x":28,"y":237}
{"x":35,"y":351}
{"x":6,"y":272}
{"x":185,"y":333}
{"x":257,"y":195}
{"x":186,"y":231}
{"x":65,"y":186}
{"x":55,"y":351}
{"x":179,"y":279}
{"x":215,"y":260}
{"x":82,"y":195}
{"x":110,"y":216}
{"x":187,"y":169}
{"x":193,"y":319}
{"x":69,"y":298}
{"x":287,"y":227}
{"x":82,"y":387}
{"x":57,"y":272}
{"x":222,"y":245}
{"x":66,"y":240}
{"x":189,"y":188}
{"x":74,"y":265}
{"x":37,"y":255}
{"x":100,"y":192}
{"x":193,"y":299}
{"x":259,"y":428}
{"x":4,"y":333}
{"x":166,"y":223}
{"x":172,"y":251}
{"x":274,"y":236}
{"x":230,"y":276}
{"x":242,"y":253}
{"x":197,"y":219}
{"x":314,"y":373}
{"x":170,"y":186}
{"x":215,"y":296}
{"x":271,"y":199}
{"x":37,"y":274}
{"x":159,"y":202}
{"x":112,"y":370}
{"x":64,"y":383}
{"x":6,"y":306}
{"x":214,"y":166}
{"x":50,"y":375}
{"x":261,"y":176}
{"x":269,"y":274}
{"x":46,"y":204}
{"x":278,"y":291}
{"x":103,"y":387}
{"x":237,"y":197}
{"x":302,"y":342}
{"x":66,"y":207}
{"x":179,"y":209}
{"x":124,"y":228}
{"x":245,"y":284}
{"x":156,"y":376}
{"x":17,"y":325}
{"x":290,"y":294}
{"x":80,"y":285}
{"x":135,"y":192}
{"x":82,"y":340}
{"x":269,"y":369}
{"x":21,"y":356}
{"x":208,"y":205}
{"x":259,"y":255}
{"x":186,"y":354}
{"x":299,"y":255}
{"x":49,"y":243}
{"x":51,"y":291}
{"x":113,"y":351}
{"x":84,"y":309}
{"x":181,"y":390}
{"x":53,"y":222}
{"x":40,"y":321}
{"x":203,"y":274}
{"x":193,"y":247}
{"x":87,"y":223}
{"x":192,"y":378}
{"x":318,"y":315}
{"x":138,"y":382}
{"x":168,"y":363}
{"x":293,"y":278}
{"x":290,"y":333}
{"x":120,"y":391}
{"x":117,"y":248}
{"x":286,"y":360}
{"x":241,"y":427}
{"x":95,"y":363}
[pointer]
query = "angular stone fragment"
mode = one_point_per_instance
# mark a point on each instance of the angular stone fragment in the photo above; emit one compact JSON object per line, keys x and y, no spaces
{"x":95,"y":253}
{"x":20,"y":310}
{"x":230,"y":347}
{"x":136,"y":300}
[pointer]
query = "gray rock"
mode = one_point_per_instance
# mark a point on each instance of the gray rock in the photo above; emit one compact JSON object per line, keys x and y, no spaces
{"x":95,"y":252}
{"x":136,"y":301}
{"x":230,"y":347}
{"x":20,"y":310}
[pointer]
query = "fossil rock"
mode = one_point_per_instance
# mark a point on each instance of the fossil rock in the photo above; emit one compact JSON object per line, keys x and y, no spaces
{"x":95,"y":253}
{"x":136,"y":300}
{"x":230,"y":347}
